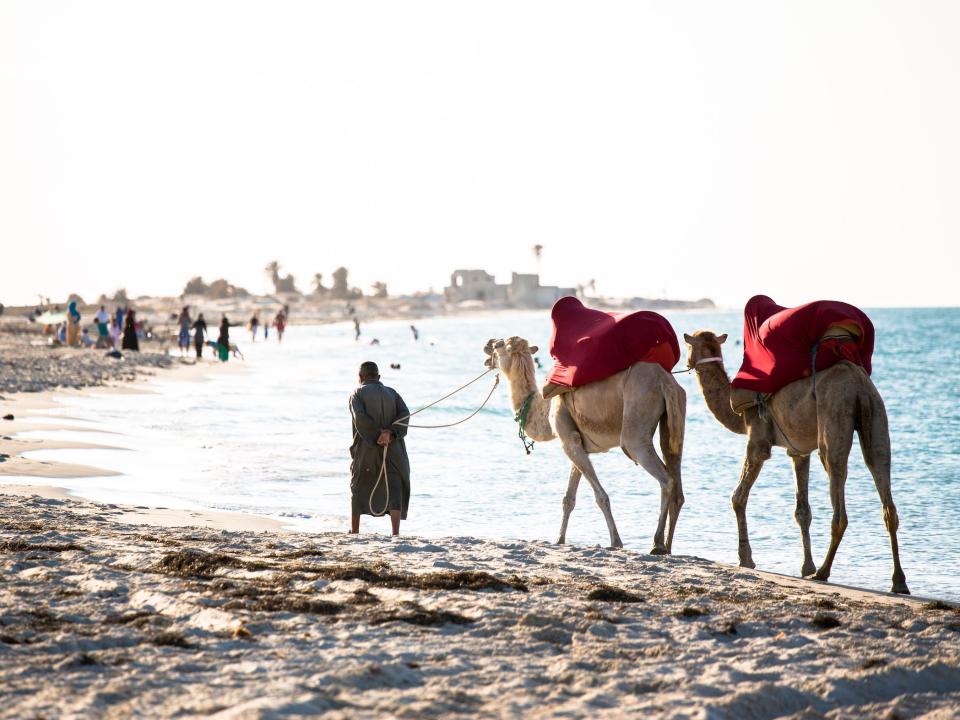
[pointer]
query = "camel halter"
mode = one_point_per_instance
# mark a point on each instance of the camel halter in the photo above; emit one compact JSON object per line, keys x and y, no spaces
{"x":382,"y":477}
{"x":699,"y":362}
{"x":521,"y":419}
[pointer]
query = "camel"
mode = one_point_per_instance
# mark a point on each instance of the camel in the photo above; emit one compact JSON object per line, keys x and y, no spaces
{"x":801,"y":421}
{"x":621,"y":411}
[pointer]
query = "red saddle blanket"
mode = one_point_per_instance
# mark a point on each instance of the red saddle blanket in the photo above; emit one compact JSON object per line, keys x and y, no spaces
{"x":778,"y":341}
{"x":590,"y":345}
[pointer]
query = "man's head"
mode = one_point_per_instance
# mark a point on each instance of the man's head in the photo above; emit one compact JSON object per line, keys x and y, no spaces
{"x":369,"y":371}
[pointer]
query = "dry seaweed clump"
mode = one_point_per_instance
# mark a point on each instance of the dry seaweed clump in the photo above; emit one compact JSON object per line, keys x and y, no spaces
{"x":414,"y":614}
{"x":197,"y":563}
{"x":611,"y":593}
{"x":286,"y":602}
{"x":20,"y":545}
{"x":453,"y":580}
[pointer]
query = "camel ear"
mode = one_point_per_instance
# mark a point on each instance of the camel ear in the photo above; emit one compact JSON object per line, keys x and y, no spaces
{"x":688,"y":338}
{"x":722,"y":338}
{"x":534,"y":349}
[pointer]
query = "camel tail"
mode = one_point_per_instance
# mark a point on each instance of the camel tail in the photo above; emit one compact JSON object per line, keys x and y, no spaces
{"x":675,"y":399}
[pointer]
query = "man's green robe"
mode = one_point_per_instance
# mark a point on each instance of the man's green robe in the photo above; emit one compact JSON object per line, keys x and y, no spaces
{"x":375,"y":407}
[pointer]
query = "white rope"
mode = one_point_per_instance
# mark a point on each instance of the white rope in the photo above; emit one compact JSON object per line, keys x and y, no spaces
{"x":382,"y":477}
{"x":496,"y":382}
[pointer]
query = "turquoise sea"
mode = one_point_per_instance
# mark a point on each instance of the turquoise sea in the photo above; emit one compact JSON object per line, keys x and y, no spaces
{"x":274,"y":440}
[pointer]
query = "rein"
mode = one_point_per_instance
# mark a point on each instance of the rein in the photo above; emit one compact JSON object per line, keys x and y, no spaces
{"x":382,"y":476}
{"x":496,"y":382}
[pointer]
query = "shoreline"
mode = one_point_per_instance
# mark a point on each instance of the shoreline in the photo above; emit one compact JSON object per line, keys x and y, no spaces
{"x":16,"y":465}
{"x":105,"y":618}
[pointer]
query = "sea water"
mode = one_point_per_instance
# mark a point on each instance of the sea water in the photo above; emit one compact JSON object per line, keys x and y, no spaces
{"x":274,"y":438}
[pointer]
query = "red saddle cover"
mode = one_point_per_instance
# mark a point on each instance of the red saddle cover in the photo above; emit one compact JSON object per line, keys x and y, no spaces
{"x":777,"y":341}
{"x":590,"y":345}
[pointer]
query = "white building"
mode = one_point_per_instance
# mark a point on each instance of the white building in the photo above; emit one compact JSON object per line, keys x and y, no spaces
{"x":524,"y":290}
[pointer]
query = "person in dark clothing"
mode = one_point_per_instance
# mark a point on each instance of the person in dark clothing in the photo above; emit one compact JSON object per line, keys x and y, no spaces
{"x":223,"y":340}
{"x":199,"y":334}
{"x":374,"y":409}
{"x":130,"y":339}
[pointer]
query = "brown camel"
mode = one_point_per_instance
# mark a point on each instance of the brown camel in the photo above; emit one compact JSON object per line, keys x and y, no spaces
{"x":621,"y":411}
{"x":796,"y":419}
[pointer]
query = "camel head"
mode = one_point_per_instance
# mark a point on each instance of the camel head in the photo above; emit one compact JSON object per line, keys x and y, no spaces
{"x":504,"y":354}
{"x":703,"y":345}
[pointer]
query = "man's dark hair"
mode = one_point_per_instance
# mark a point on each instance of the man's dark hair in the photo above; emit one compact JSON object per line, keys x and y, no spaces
{"x":369,"y":370}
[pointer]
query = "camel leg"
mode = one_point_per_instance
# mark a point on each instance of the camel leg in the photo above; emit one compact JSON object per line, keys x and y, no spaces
{"x":876,"y":453}
{"x":569,"y":501}
{"x":834,"y":454}
{"x":757,"y":454}
{"x":801,"y":468}
{"x":641,"y":451}
{"x":672,"y":461}
{"x":573,"y":447}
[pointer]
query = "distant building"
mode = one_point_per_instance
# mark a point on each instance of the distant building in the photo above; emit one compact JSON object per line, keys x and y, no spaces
{"x":524,"y":290}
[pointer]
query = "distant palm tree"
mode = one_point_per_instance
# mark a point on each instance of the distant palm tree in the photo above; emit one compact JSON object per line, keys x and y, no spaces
{"x":379,"y":289}
{"x":318,"y":287}
{"x":273,"y":271}
{"x":537,"y":253}
{"x":592,"y":284}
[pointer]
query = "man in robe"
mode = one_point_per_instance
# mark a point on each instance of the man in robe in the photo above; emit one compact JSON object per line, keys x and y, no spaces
{"x":375,"y":487}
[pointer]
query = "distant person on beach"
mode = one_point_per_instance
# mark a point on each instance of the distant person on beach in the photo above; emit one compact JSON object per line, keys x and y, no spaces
{"x":130,"y":339}
{"x":199,"y":333}
{"x":223,"y":340}
{"x":254,"y":326}
{"x":102,"y":319}
{"x":356,"y":329}
{"x":183,"y":337}
{"x":280,"y":323}
{"x":266,"y":330}
{"x":374,"y":409}
{"x":85,"y":339}
{"x":416,"y":333}
{"x":73,"y":325}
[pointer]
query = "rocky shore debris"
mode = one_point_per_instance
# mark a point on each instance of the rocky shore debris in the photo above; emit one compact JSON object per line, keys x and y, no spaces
{"x":29,"y":368}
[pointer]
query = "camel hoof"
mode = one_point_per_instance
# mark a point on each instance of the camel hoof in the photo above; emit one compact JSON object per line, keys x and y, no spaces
{"x":659,"y":551}
{"x":807,"y":570}
{"x":618,"y":545}
{"x":748,"y":563}
{"x":820,"y":575}
{"x":900,"y":588}
{"x":561,"y":541}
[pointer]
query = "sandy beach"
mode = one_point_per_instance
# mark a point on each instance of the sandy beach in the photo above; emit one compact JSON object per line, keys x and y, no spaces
{"x":104,"y":618}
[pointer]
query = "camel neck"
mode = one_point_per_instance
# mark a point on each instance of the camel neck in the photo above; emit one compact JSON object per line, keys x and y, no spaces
{"x":715,"y":386}
{"x":522,"y":386}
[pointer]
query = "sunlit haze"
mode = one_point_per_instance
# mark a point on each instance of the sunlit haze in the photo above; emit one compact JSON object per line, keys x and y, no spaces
{"x":702,"y":149}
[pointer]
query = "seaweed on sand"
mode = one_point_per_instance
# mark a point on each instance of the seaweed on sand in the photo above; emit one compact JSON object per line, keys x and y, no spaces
{"x":20,"y":545}
{"x":190,"y":562}
{"x":454,"y":580}
{"x":414,"y":614}
{"x":611,"y":593}
{"x":290,"y":602}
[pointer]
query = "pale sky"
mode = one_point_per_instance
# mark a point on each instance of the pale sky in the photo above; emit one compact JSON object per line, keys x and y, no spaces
{"x":804,"y":150}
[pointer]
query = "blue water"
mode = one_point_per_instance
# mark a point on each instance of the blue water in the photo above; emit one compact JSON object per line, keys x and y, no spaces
{"x":273,"y":440}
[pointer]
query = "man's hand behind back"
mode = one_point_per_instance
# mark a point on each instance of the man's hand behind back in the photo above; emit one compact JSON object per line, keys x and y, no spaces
{"x":385,"y":438}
